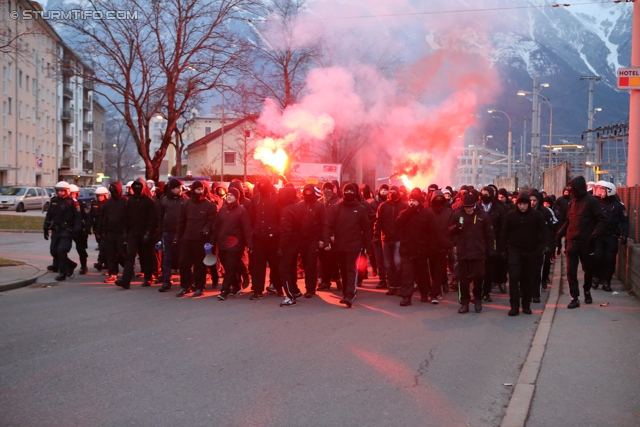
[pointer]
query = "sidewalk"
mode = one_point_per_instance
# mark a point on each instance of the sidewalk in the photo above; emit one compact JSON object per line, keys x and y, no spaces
{"x":13,"y":277}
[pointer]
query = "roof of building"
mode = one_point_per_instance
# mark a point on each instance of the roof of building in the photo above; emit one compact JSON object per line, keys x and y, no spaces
{"x":216,"y":134}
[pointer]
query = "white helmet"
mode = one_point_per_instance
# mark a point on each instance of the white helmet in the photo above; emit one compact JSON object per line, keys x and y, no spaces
{"x":62,"y":185}
{"x":610,"y":188}
{"x":101,"y":190}
{"x":129,"y":184}
{"x":150,"y":183}
{"x":74,"y":188}
{"x":590,"y":185}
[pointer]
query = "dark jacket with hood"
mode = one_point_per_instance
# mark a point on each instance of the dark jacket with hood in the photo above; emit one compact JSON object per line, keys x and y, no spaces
{"x":384,"y":225}
{"x":140,"y":216}
{"x":246,"y":203}
{"x":291,"y":219}
{"x":169,"y":210}
{"x":414,"y":225}
{"x":196,"y":220}
{"x":497,"y":212}
{"x":266,"y":211}
{"x":476,"y":240}
{"x":113,"y":212}
{"x":232,"y":228}
{"x":525,"y":232}
{"x":584,"y":216}
{"x":440,"y":237}
{"x":348,"y":222}
{"x":314,"y":218}
{"x":550,"y":221}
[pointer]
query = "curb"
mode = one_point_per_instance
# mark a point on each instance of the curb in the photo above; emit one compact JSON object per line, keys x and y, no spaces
{"x":21,"y":231}
{"x":21,"y":283}
{"x":518,"y":408}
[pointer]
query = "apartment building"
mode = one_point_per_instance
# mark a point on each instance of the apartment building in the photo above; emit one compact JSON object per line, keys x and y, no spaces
{"x":98,"y":142}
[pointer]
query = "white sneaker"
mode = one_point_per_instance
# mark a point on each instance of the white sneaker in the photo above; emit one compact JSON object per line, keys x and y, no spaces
{"x":287,"y":302}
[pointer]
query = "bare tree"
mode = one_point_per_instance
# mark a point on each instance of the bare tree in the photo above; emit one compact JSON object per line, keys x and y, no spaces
{"x":174,"y":51}
{"x":12,"y":40}
{"x":121,"y":157}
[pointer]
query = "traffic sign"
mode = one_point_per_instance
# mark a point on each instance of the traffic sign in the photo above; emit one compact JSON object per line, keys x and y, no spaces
{"x":39,"y":162}
{"x":629,"y":78}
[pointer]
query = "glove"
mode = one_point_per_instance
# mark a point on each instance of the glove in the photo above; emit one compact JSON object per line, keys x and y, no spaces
{"x":46,"y":234}
{"x":623,"y":240}
{"x":280,"y":253}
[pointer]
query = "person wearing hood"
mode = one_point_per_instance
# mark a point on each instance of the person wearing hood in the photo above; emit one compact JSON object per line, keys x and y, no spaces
{"x":440,"y":243}
{"x":312,"y":230}
{"x":140,"y":225}
{"x":617,"y":228}
{"x":265,"y":222}
{"x":457,"y":204}
{"x":169,"y":210}
{"x":385,"y":227}
{"x":380,"y":197}
{"x":290,"y":227}
{"x":493,"y":265}
{"x":219,"y":194}
{"x":248,"y":205}
{"x":550,"y":222}
{"x":350,"y":235}
{"x":475,"y":241}
{"x":584,"y":224}
{"x":328,"y":264}
{"x":446,"y":194}
{"x":414,"y":225}
{"x":112,"y":230}
{"x":233,"y":234}
{"x":95,"y":213}
{"x":562,"y":204}
{"x":193,"y":231}
{"x":372,"y":206}
{"x":503,"y":197}
{"x":522,"y":242}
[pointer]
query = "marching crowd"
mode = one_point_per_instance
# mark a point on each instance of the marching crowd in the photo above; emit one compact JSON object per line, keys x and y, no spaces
{"x":413,"y":240}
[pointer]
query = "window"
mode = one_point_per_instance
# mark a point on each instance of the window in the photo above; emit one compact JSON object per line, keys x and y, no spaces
{"x":4,"y":80}
{"x":20,"y":78}
{"x":9,"y":106}
{"x":4,"y":149}
{"x":20,"y":109}
{"x":20,"y":142}
{"x":39,"y":189}
{"x":207,"y":130}
{"x":229,"y":158}
{"x":27,"y":85}
{"x":34,"y":83}
{"x":4,"y":114}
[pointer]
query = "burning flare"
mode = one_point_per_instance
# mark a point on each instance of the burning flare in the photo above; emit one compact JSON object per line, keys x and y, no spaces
{"x":270,"y":152}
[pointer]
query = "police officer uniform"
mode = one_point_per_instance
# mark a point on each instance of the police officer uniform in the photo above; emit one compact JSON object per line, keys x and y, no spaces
{"x":63,"y":219}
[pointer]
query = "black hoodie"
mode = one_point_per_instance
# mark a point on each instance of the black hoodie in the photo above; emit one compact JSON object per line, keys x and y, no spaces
{"x":290,"y":219}
{"x":440,"y":237}
{"x":584,"y":215}
{"x":232,"y":228}
{"x":112,"y":220}
{"x":266,"y":211}
{"x":524,"y":232}
{"x":140,"y":214}
{"x":414,"y":225}
{"x":243,"y":201}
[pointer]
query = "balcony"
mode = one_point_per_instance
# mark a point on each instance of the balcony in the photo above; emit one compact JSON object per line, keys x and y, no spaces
{"x":88,"y":84}
{"x":87,"y":166}
{"x":67,"y":140}
{"x":66,"y":163}
{"x":86,"y":146}
{"x":67,"y":91}
{"x":86,"y":104}
{"x":67,"y":116}
{"x":87,"y":125}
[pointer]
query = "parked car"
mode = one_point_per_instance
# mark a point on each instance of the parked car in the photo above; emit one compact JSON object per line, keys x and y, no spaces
{"x":20,"y":199}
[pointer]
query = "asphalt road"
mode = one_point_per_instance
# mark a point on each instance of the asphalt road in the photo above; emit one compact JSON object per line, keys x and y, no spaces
{"x":85,"y":353}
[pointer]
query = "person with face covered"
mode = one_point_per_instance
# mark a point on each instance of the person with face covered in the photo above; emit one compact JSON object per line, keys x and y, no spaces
{"x":550,"y":222}
{"x":381,"y":197}
{"x":584,"y":224}
{"x":522,"y":242}
{"x":493,"y":265}
{"x":232,"y":233}
{"x":385,"y":226}
{"x":194,"y":230}
{"x":440,"y":240}
{"x":169,"y":210}
{"x":415,"y":228}
{"x":348,"y":224}
{"x":95,"y":214}
{"x":563,"y":205}
{"x":248,"y":205}
{"x":140,"y":225}
{"x":328,"y":264}
{"x":290,"y":225}
{"x":265,"y":222}
{"x":606,"y":249}
{"x":112,"y":230}
{"x":312,"y":231}
{"x":474,"y":241}
{"x":503,"y":197}
{"x":367,"y":197}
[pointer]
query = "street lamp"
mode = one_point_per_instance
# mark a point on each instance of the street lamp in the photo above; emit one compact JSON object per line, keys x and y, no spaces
{"x":508,"y":141}
{"x":523,"y":93}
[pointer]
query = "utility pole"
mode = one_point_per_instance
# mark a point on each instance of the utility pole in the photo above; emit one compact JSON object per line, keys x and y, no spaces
{"x":535,"y":130}
{"x":633,"y":166}
{"x":590,"y":113}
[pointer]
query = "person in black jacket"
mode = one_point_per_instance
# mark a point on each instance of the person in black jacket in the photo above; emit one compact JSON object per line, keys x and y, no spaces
{"x":95,"y":214}
{"x":328,"y":264}
{"x":312,"y":230}
{"x":617,"y":228}
{"x":552,"y":223}
{"x":493,"y":265}
{"x":475,"y":241}
{"x":265,"y":223}
{"x":537,"y":283}
{"x":233,"y":234}
{"x":140,"y":224}
{"x":385,"y":228}
{"x":244,"y":271}
{"x":380,"y":197}
{"x":112,"y":230}
{"x":63,"y":219}
{"x":348,"y":226}
{"x":80,"y":238}
{"x":414,"y":226}
{"x":584,"y":223}
{"x":169,"y":210}
{"x":522,"y":242}
{"x":290,"y":225}
{"x":194,"y":229}
{"x":563,"y":205}
{"x":440,"y":240}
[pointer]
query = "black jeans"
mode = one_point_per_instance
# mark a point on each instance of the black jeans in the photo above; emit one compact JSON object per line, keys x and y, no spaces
{"x":191,"y":255}
{"x":137,"y":245}
{"x":521,"y":270}
{"x":59,"y":250}
{"x":329,"y":266}
{"x":309,"y":256}
{"x":116,"y":251}
{"x":231,"y":262}
{"x":605,"y":258}
{"x":265,"y":250}
{"x":414,"y":269}
{"x":288,"y":264}
{"x":348,"y":263}
{"x":579,"y":252}
{"x":80,"y":239}
{"x":470,"y":270}
{"x":490,"y":269}
{"x":536,"y":276}
{"x":438,"y":270}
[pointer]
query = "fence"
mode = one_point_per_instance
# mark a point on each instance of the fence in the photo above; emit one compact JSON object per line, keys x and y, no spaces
{"x":630,"y":196}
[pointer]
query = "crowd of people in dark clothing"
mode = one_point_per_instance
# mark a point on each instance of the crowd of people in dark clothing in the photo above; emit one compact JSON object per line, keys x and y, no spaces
{"x":432,"y":241}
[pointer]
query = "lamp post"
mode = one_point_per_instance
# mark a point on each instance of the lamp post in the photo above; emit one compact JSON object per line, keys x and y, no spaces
{"x":523,"y":93}
{"x":598,"y":144}
{"x":508,"y":141}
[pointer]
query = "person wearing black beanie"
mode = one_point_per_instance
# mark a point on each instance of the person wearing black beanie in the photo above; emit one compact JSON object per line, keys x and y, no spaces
{"x":169,"y":211}
{"x":328,"y":266}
